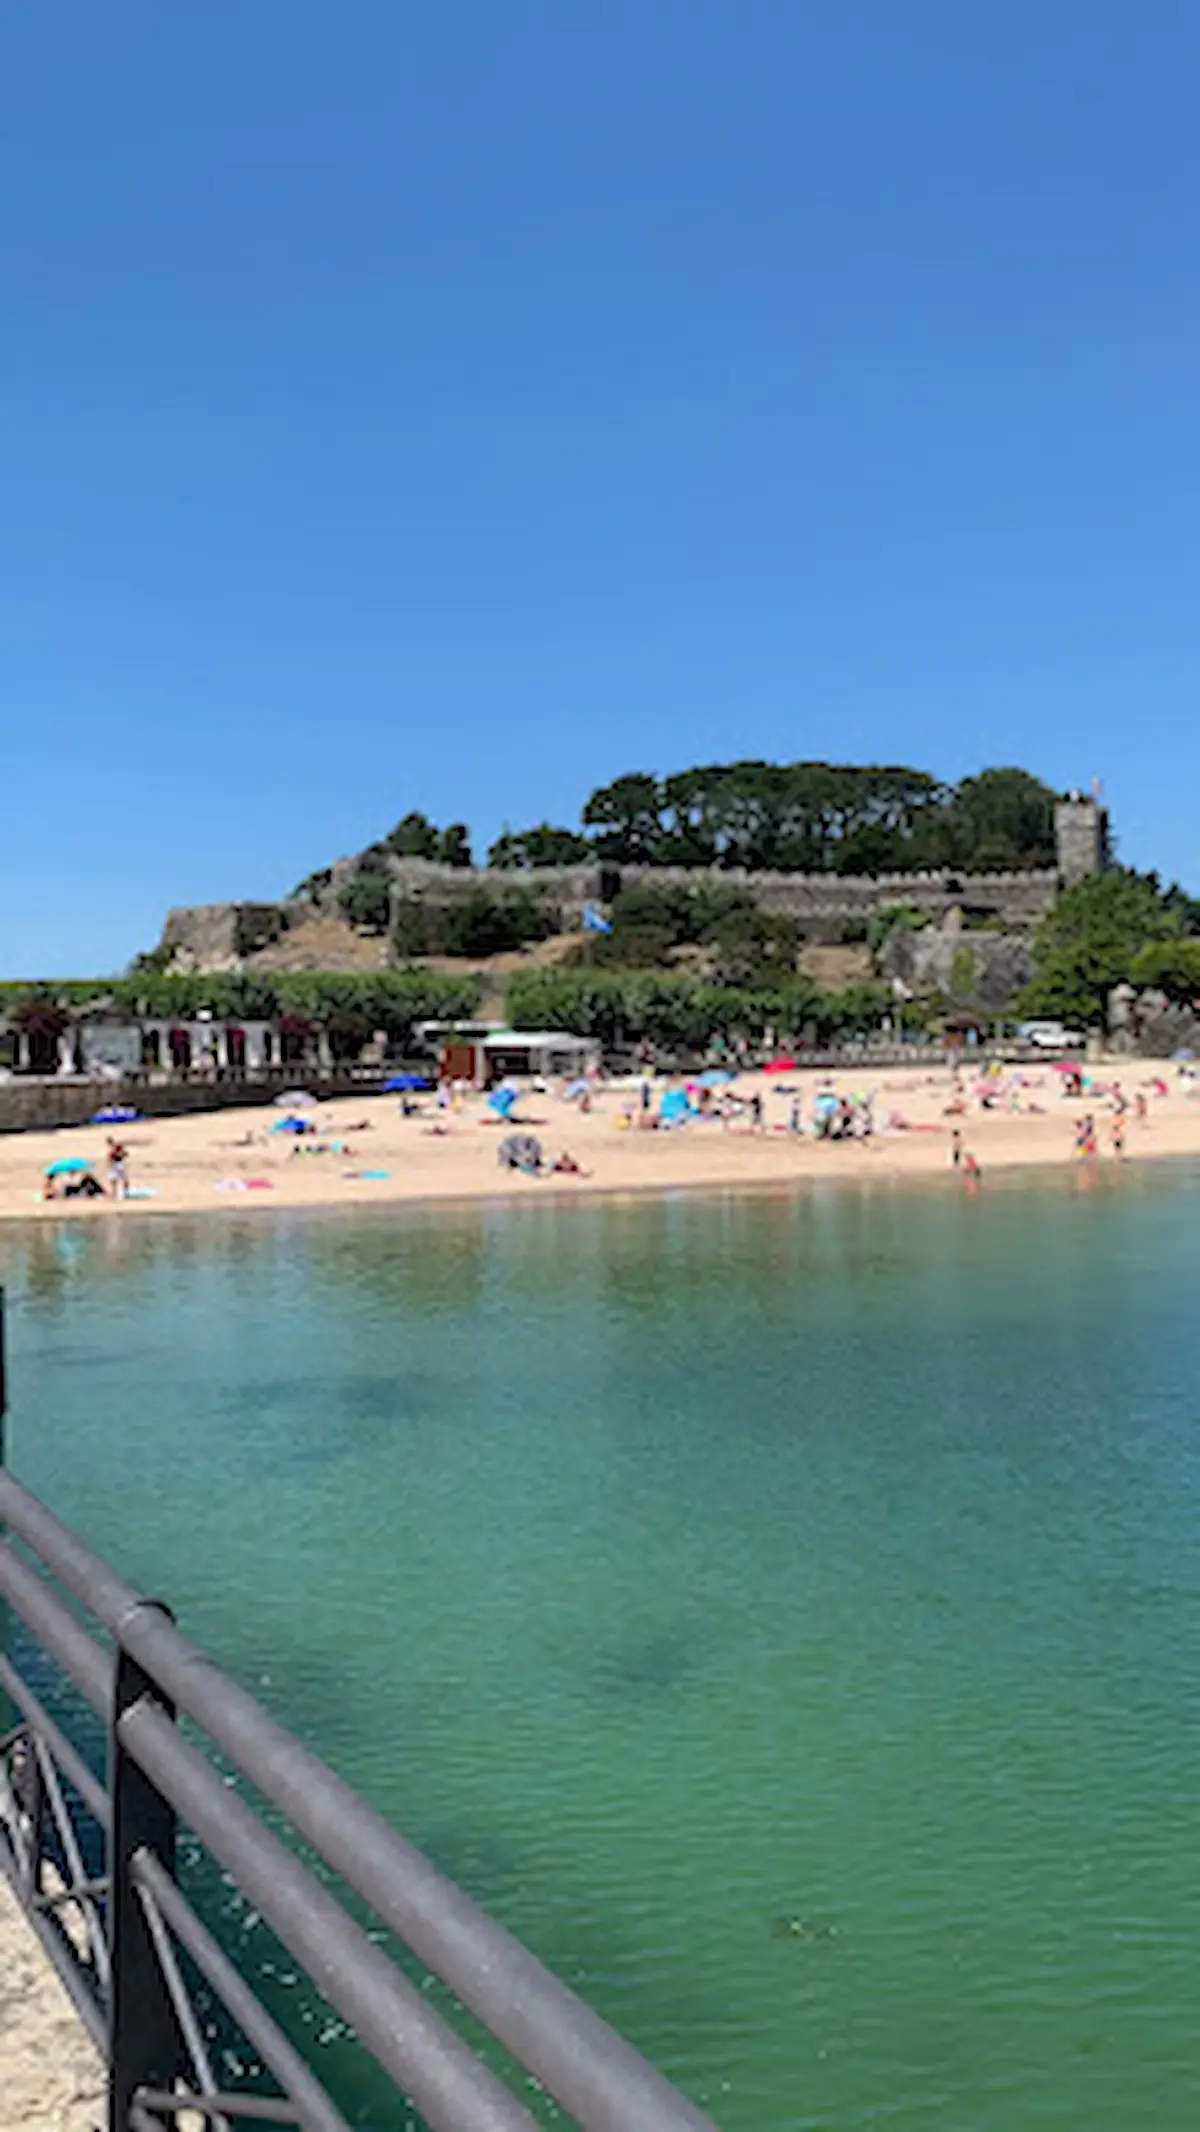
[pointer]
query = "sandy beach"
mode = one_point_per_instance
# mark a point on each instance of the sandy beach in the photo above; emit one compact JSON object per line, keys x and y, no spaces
{"x":365,"y":1152}
{"x":50,"y":2077}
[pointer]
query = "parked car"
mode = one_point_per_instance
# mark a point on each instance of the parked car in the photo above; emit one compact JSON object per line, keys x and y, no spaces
{"x":1051,"y":1036}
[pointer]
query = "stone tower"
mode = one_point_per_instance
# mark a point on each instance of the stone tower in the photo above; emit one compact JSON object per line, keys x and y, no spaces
{"x":1081,"y":837}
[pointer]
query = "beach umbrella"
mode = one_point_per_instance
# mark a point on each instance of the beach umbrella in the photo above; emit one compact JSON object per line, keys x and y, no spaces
{"x":780,"y":1065}
{"x":115,"y":1114}
{"x":296,"y":1099}
{"x":405,"y":1083}
{"x":501,"y":1101}
{"x":716,"y":1077}
{"x":291,"y":1125}
{"x":67,"y":1166}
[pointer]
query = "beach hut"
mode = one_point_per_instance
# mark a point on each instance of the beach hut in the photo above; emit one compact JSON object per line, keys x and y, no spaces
{"x":485,"y":1052}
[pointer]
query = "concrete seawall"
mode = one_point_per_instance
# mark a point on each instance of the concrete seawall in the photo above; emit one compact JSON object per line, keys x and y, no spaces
{"x":31,"y":1104}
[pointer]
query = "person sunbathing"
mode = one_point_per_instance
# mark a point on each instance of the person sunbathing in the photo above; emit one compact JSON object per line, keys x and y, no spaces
{"x":566,"y":1165}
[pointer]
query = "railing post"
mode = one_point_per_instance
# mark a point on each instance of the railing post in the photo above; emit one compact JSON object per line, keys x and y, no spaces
{"x":146,"y":2046}
{"x":3,"y":1377}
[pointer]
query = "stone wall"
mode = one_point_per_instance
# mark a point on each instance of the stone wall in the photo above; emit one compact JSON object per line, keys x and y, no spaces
{"x":985,"y":970}
{"x":814,"y":900}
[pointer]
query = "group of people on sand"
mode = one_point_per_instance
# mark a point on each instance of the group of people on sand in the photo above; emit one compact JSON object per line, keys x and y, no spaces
{"x":79,"y":1181}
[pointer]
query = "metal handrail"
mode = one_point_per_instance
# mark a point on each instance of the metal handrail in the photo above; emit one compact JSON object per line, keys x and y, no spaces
{"x":154,"y":1675}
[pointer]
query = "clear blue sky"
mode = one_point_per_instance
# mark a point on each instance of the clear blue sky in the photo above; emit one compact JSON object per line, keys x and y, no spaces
{"x":454,"y":406}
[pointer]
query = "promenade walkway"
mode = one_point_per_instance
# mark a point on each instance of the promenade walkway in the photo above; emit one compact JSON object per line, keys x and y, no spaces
{"x":50,"y":2077}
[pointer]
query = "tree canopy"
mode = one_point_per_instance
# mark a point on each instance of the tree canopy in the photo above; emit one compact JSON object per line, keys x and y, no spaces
{"x":801,"y":817}
{"x":1100,"y":934}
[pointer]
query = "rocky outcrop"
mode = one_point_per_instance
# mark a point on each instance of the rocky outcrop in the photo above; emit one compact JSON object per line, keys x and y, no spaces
{"x":1148,"y":1025}
{"x":982,"y":969}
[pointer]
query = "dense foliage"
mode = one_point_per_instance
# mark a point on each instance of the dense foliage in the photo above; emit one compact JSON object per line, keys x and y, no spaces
{"x":815,"y":817}
{"x":482,"y":922}
{"x":349,"y":1008}
{"x":674,"y":1010}
{"x":652,"y":922}
{"x":1116,"y":928}
{"x":768,"y":817}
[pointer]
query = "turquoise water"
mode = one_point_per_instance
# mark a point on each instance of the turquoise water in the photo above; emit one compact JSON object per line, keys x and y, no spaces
{"x":670,"y":1568}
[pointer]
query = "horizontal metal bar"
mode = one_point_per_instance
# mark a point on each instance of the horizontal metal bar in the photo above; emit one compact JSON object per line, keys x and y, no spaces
{"x":71,"y":1972}
{"x":69,"y":1760}
{"x":596,"y":2076}
{"x":316,"y":2112}
{"x":85,"y":1662}
{"x":80,"y":1569}
{"x":267,"y":2108}
{"x":72,"y":1892}
{"x":433,"y":2066}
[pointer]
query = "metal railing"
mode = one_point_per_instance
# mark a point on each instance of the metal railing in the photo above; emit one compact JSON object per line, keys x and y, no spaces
{"x":116,"y":1936}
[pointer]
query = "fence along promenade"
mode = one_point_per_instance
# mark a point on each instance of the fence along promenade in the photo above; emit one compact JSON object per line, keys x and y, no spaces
{"x":115,"y":1937}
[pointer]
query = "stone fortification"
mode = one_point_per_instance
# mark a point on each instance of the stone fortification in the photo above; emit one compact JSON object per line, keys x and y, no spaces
{"x":221,"y":936}
{"x":224,"y":936}
{"x":816,"y":901}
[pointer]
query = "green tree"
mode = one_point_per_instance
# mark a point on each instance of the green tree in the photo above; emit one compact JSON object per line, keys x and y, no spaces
{"x":366,"y":900}
{"x":543,"y":845}
{"x":484,"y":923}
{"x":1002,"y":819}
{"x":1170,"y":966}
{"x":1091,"y":940}
{"x":454,"y":845}
{"x":628,"y":815}
{"x":413,"y":838}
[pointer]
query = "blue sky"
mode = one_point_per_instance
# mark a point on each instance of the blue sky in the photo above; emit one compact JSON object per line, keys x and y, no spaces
{"x":453,"y":407}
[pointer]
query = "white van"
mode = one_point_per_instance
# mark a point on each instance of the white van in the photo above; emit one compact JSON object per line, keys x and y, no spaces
{"x":1051,"y":1036}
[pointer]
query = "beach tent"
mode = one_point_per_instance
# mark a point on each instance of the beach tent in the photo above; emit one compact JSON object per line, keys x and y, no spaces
{"x":293,"y":1125}
{"x":115,"y":1114}
{"x":405,"y":1083}
{"x":674,"y":1108}
{"x":501,"y":1101}
{"x":296,"y":1099}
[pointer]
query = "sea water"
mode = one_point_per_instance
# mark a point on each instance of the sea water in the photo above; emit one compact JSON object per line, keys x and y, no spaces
{"x":784,"y":1612}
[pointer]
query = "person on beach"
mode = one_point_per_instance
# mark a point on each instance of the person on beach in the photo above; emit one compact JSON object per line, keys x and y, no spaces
{"x":1118,"y":1134}
{"x":1085,"y":1137}
{"x":118,"y":1168}
{"x":971,"y":1172}
{"x":956,"y":1148}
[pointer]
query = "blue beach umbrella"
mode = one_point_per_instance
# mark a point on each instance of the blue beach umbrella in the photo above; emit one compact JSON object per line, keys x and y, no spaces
{"x":67,"y":1166}
{"x":405,"y":1083}
{"x":501,"y":1101}
{"x":115,"y":1114}
{"x":716,"y":1077}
